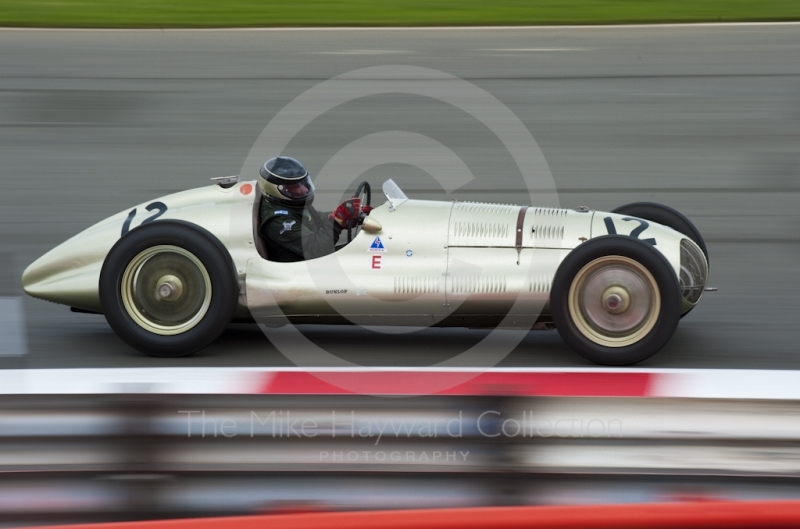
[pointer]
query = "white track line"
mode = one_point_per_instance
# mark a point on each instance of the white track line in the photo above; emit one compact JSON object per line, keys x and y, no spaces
{"x":428,"y":28}
{"x":13,"y":335}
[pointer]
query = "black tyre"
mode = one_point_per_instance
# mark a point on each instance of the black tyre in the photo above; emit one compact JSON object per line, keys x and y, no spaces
{"x":615,"y":300}
{"x":168,"y":288}
{"x":667,"y":216}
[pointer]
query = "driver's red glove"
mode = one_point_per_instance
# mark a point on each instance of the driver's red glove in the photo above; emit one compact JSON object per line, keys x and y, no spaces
{"x":347,"y":213}
{"x":366,"y":209}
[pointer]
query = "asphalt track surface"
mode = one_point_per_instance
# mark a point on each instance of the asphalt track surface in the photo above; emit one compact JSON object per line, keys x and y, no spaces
{"x":705,"y":119}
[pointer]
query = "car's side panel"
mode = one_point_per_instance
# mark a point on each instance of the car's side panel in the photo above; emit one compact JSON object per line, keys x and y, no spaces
{"x":483,"y":225}
{"x":475,"y":224}
{"x":395,"y":276}
{"x":503,"y":257}
{"x":492,"y":281}
{"x":555,"y":228}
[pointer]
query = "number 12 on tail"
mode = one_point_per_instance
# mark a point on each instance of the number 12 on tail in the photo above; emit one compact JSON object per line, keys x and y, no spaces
{"x":643,"y":225}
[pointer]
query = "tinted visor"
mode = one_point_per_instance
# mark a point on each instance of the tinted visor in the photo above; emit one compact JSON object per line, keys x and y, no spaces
{"x":297,"y":190}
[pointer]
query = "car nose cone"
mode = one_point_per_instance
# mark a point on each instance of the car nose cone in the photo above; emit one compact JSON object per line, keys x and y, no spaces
{"x":67,"y":274}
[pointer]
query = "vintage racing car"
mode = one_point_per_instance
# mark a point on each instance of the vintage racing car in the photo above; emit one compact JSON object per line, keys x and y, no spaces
{"x":170,"y":275}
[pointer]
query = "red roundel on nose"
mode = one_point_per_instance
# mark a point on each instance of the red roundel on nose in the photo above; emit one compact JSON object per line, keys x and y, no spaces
{"x":246,"y":189}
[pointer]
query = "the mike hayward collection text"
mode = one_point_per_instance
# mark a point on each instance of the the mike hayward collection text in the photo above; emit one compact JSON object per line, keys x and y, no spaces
{"x":368,"y":426}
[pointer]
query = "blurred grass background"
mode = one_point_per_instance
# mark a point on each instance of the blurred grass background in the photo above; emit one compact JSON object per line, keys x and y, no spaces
{"x":218,"y":13}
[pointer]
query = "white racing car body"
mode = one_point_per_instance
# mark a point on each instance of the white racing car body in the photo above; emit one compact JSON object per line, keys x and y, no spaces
{"x":414,"y":262}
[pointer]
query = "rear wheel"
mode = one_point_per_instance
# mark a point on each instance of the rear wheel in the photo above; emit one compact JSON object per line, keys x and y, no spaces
{"x":667,"y":216}
{"x":168,"y":288}
{"x":676,"y":220}
{"x":615,"y":300}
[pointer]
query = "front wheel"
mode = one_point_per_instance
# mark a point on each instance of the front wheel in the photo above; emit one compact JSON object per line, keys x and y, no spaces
{"x":168,"y":288}
{"x":615,"y":300}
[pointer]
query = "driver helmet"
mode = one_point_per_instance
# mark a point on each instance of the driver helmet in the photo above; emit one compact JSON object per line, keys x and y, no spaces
{"x":285,"y":181}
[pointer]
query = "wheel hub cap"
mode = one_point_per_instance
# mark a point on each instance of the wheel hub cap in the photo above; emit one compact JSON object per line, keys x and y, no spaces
{"x":614,"y":301}
{"x":169,"y":288}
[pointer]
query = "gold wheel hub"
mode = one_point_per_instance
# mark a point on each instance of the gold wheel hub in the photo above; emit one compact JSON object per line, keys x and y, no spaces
{"x":614,"y":301}
{"x":166,"y":290}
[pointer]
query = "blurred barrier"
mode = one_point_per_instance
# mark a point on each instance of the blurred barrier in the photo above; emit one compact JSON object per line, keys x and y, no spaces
{"x":735,"y":384}
{"x":746,"y":515}
{"x":129,"y":457}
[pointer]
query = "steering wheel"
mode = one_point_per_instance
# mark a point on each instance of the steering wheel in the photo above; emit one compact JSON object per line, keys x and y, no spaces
{"x":364,"y":194}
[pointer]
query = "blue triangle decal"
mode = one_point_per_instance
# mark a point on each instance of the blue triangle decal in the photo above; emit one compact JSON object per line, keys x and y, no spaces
{"x":377,"y":245}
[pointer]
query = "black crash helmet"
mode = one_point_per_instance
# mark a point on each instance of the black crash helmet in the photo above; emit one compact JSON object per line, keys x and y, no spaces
{"x":285,"y":181}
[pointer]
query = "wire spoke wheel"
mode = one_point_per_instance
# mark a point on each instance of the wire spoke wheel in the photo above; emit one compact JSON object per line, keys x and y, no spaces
{"x":615,"y":301}
{"x":166,"y":290}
